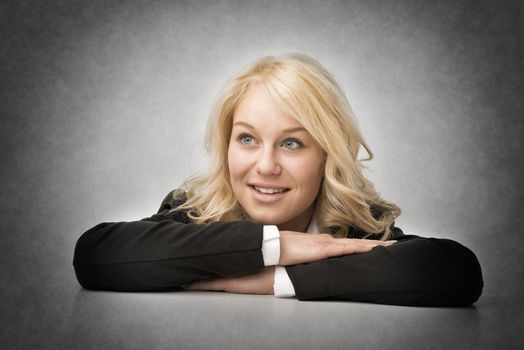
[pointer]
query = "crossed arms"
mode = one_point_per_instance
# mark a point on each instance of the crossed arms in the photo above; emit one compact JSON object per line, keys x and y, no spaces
{"x":165,"y":252}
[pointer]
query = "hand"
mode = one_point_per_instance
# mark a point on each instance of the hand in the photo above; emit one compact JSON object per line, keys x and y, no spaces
{"x":257,"y":283}
{"x":299,"y":248}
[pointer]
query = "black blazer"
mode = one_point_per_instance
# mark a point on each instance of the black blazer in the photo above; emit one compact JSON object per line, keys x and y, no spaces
{"x":166,"y":251}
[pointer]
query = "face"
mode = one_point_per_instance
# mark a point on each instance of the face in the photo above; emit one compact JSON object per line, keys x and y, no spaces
{"x":275,"y":165}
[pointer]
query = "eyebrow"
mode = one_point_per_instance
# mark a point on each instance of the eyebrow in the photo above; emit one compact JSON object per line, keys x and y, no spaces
{"x":285,"y":130}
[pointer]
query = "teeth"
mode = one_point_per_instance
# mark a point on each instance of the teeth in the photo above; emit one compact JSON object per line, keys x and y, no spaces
{"x":269,"y":190}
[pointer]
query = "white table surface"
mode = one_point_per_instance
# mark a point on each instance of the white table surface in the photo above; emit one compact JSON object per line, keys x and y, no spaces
{"x":82,"y":319}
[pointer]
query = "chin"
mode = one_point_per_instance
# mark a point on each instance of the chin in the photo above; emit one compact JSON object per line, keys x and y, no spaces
{"x":266,"y":219}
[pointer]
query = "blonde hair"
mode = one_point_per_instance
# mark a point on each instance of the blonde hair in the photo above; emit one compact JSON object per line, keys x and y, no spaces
{"x":346,"y":198}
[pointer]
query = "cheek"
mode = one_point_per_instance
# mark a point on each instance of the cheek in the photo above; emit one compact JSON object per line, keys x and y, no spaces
{"x":237,"y":163}
{"x":308,"y":172}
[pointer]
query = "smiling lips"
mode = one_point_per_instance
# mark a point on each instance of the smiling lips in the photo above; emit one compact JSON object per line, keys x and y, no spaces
{"x":270,"y":190}
{"x":268,"y":194}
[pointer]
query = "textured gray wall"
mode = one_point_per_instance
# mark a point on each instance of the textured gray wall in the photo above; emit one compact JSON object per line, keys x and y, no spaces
{"x":104,"y":104}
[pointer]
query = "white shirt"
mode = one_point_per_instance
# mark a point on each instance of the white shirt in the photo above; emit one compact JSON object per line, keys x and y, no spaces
{"x":271,"y":252}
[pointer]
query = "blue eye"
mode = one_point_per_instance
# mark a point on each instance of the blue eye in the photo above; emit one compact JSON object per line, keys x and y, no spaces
{"x":246,"y":139}
{"x":292,"y":144}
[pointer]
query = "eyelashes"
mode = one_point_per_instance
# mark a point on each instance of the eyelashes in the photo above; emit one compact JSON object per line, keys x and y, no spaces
{"x":290,"y":143}
{"x":245,"y":139}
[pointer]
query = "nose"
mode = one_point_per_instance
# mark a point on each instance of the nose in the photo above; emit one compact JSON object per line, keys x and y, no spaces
{"x":267,"y":163}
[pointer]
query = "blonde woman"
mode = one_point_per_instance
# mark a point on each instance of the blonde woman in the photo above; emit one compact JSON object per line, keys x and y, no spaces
{"x":284,"y":210}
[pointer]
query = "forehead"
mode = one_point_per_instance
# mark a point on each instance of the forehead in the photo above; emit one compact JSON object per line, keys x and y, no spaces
{"x":259,"y":107}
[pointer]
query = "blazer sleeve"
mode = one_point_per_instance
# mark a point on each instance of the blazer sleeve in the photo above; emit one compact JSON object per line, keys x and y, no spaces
{"x":165,"y":251}
{"x":414,"y":271}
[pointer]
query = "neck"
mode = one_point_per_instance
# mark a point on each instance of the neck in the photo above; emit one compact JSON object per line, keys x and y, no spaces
{"x":299,"y":223}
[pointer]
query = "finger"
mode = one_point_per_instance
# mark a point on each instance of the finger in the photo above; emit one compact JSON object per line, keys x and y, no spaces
{"x":364,"y":243}
{"x":362,"y":247}
{"x":374,"y":245}
{"x":194,"y":286}
{"x":359,"y":250}
{"x":215,"y":285}
{"x":390,"y":242}
{"x":372,"y":241}
{"x":357,"y":246}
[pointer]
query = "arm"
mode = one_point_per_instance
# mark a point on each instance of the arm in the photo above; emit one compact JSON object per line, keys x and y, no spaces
{"x":146,"y":256}
{"x":414,"y":271}
{"x":163,"y":252}
{"x":297,"y":248}
{"x":166,"y":251}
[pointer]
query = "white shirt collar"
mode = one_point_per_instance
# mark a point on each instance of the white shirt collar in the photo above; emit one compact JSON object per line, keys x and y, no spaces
{"x":313,"y":226}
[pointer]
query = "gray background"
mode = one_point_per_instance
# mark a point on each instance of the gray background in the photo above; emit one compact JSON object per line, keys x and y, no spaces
{"x":104,"y":105}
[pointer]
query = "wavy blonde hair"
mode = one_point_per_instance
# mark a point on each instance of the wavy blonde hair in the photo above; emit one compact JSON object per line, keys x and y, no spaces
{"x":346,"y":198}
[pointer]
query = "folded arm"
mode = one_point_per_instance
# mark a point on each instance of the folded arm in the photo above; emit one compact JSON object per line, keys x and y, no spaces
{"x":148,"y":255}
{"x":414,"y":271}
{"x":166,"y":251}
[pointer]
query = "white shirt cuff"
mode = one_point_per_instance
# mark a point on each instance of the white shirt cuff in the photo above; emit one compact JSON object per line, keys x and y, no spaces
{"x":271,"y":245}
{"x":283,"y":287}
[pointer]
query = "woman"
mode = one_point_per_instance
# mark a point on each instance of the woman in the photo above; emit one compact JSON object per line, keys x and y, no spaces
{"x":284,"y":148}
